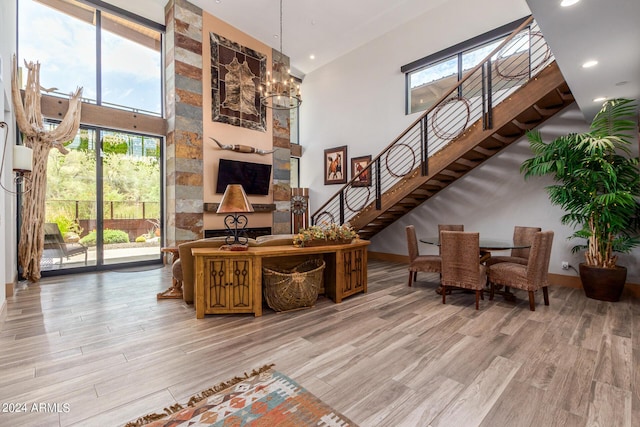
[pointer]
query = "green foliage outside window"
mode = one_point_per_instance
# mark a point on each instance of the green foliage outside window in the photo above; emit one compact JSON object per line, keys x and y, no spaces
{"x":108,"y":237}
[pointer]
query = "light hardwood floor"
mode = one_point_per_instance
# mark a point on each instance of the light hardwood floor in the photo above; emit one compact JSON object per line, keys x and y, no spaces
{"x":103,"y":349}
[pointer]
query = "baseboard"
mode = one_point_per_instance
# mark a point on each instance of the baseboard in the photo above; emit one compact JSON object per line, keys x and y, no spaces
{"x":3,"y":311}
{"x":381,"y":256}
{"x":566,"y":281}
{"x":9,"y":288}
{"x":632,"y":289}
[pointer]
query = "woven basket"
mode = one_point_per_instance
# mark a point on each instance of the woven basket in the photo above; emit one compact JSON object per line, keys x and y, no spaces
{"x":295,"y":288}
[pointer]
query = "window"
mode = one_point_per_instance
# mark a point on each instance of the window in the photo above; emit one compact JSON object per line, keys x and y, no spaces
{"x":116,"y":60}
{"x":429,"y":78}
{"x":107,"y":190}
{"x":428,"y":84}
{"x":131,"y":65}
{"x":295,"y":173}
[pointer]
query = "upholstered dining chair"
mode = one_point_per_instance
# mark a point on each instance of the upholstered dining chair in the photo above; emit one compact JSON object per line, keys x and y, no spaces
{"x":449,"y":227}
{"x":417,"y":262}
{"x":461,"y":266}
{"x":521,"y":236}
{"x":530,"y":277}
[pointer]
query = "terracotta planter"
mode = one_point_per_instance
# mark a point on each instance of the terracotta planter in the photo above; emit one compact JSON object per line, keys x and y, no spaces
{"x":603,"y":284}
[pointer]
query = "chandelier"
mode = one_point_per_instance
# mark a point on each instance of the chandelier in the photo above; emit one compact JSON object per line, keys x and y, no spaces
{"x":281,"y":91}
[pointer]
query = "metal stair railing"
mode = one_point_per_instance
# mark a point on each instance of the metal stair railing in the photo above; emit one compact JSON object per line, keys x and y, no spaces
{"x":516,"y":60}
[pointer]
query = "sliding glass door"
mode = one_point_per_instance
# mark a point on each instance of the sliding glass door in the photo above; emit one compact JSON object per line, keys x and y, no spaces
{"x":103,"y":201}
{"x":130,"y":197}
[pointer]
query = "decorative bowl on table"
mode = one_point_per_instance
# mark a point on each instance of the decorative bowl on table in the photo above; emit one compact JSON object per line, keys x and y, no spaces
{"x":325,"y":234}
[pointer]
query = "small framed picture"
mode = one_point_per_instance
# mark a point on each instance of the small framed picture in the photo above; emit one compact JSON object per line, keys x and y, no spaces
{"x":335,"y":171}
{"x":359,"y":165}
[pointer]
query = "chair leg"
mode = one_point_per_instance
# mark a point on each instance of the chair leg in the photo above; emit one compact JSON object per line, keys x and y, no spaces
{"x":545,"y":293}
{"x":532,"y":301}
{"x":478,"y":299}
{"x":410,"y":277}
{"x":444,"y":293}
{"x":492,"y":291}
{"x":415,"y":276}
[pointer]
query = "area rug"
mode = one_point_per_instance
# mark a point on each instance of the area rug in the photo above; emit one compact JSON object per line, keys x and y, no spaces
{"x":264,"y":398}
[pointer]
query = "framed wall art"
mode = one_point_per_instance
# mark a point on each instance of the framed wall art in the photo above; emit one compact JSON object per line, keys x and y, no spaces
{"x":236,"y":75}
{"x":359,"y":164}
{"x":335,"y":171}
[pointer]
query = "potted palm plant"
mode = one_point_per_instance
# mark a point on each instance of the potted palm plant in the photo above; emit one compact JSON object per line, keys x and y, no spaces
{"x":598,"y":185}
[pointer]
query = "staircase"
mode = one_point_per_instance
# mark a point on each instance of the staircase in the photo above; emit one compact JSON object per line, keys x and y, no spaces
{"x":516,"y":88}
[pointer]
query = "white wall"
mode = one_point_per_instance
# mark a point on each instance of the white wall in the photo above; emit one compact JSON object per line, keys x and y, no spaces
{"x":491,"y":199}
{"x":7,"y":201}
{"x":358,"y":101}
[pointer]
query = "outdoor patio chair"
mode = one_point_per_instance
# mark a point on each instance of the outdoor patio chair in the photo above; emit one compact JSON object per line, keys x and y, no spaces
{"x":54,"y":242}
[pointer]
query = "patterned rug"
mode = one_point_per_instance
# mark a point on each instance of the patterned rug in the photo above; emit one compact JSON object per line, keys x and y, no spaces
{"x":265,"y":398}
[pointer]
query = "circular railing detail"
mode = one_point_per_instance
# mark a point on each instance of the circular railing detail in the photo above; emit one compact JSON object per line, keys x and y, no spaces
{"x":400,"y":148}
{"x":521,"y":41}
{"x":329,"y":215}
{"x":452,"y":107}
{"x":366,"y":201}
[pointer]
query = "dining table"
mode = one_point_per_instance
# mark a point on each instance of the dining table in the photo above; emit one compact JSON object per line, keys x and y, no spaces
{"x":486,"y":244}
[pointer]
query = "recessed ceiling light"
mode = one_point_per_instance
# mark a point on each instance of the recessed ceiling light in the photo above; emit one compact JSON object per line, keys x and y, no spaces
{"x":600,"y":99}
{"x":567,"y":3}
{"x":590,"y":64}
{"x":312,"y":56}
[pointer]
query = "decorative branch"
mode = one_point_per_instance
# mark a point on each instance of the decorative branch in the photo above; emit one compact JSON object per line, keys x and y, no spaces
{"x":31,"y":124}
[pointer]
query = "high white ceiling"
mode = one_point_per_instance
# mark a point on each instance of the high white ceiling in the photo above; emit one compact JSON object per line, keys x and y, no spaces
{"x":608,"y":31}
{"x":326,"y":29}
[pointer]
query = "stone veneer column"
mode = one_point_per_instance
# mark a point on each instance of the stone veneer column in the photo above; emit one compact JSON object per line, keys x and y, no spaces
{"x":281,"y":167}
{"x":184,"y":163}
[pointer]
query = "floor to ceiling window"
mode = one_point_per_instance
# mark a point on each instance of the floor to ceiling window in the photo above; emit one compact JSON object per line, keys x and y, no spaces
{"x":124,"y":204}
{"x":105,"y":195}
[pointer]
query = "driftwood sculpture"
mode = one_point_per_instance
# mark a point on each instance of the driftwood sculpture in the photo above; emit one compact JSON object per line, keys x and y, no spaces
{"x":35,"y":136}
{"x":240,"y":148}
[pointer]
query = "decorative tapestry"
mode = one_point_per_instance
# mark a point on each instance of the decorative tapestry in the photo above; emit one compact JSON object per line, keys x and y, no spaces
{"x":237,"y":73}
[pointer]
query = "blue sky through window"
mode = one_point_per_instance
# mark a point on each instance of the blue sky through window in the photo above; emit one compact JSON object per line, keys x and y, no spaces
{"x":65,"y":48}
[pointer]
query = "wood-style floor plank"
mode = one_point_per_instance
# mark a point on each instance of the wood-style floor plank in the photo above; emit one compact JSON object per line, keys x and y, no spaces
{"x":107,"y":348}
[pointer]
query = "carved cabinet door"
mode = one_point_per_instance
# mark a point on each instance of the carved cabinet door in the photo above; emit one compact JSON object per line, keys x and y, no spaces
{"x":228,"y":286}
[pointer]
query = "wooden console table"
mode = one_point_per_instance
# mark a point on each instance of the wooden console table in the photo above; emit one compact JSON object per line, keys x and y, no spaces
{"x":231,"y":282}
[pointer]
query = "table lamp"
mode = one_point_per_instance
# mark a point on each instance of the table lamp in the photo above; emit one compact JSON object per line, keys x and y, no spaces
{"x":235,"y":202}
{"x":22,"y":160}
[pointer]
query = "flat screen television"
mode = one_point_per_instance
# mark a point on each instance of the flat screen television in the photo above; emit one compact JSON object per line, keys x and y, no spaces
{"x":254,"y":177}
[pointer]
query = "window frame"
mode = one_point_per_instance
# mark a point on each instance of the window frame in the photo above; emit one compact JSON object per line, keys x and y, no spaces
{"x":450,"y":52}
{"x":99,"y":7}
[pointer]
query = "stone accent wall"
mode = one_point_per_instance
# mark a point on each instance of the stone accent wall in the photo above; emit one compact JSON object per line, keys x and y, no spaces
{"x":184,"y":154}
{"x":183,"y":77}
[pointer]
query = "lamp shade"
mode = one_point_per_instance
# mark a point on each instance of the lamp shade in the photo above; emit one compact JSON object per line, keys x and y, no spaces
{"x":22,"y":158}
{"x":234,"y":200}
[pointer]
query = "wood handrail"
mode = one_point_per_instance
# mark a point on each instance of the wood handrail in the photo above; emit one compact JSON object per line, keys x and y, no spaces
{"x":442,"y":99}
